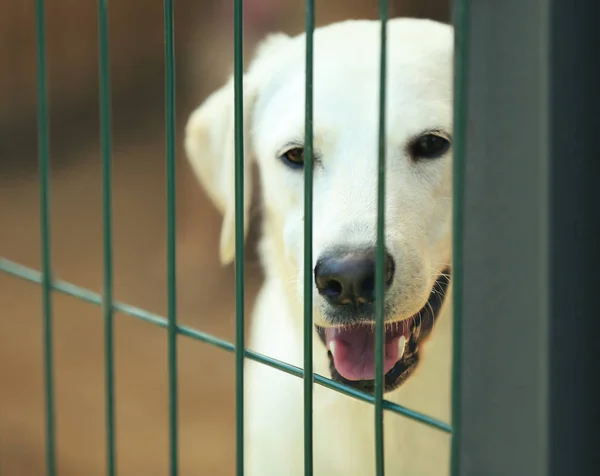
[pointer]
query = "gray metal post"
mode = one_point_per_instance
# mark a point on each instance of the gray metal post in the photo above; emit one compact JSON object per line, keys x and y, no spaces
{"x":530,"y":240}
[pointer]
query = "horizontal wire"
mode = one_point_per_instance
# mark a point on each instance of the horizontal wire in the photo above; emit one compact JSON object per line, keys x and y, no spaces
{"x":28,"y":274}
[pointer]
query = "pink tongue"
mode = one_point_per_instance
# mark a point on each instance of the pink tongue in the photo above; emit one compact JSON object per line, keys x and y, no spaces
{"x":354,"y":351}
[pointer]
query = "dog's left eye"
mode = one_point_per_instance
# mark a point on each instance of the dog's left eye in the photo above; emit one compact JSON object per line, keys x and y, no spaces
{"x":429,"y":146}
{"x":294,"y":158}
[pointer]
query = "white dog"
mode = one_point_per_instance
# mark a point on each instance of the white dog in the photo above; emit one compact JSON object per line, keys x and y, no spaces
{"x":418,"y":240}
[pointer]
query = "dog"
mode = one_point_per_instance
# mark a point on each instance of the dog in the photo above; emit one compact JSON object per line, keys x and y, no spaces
{"x":418,"y":239}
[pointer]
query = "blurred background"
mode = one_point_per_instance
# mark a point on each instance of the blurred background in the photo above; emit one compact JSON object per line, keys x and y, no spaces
{"x":204,"y":58}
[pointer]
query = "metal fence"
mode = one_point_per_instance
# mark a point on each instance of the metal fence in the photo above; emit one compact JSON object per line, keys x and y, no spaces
{"x":512,"y":392}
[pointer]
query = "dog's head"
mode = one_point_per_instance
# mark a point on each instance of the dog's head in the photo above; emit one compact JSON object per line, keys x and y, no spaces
{"x":418,"y":180}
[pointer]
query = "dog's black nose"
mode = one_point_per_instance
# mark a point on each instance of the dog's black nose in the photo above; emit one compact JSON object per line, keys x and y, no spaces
{"x":349,"y":277}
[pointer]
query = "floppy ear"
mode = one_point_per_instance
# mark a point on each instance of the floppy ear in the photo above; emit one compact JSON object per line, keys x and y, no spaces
{"x":210,"y":147}
{"x":210,"y":144}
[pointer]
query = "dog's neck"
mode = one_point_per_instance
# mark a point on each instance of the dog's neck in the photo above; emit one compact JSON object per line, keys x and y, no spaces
{"x":277,"y":266}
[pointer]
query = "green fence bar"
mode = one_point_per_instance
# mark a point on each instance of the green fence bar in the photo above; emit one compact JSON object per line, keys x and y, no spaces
{"x":460,"y":14}
{"x":105,"y":137}
{"x":380,"y":258}
{"x":171,"y":232}
{"x":46,"y":277}
{"x":238,"y":25}
{"x":308,"y":255}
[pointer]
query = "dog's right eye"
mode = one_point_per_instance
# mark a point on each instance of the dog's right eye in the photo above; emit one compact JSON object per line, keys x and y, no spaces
{"x":294,"y":158}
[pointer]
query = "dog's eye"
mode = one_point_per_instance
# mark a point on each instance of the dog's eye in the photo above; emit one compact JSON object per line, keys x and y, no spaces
{"x":294,"y":158}
{"x":429,"y":146}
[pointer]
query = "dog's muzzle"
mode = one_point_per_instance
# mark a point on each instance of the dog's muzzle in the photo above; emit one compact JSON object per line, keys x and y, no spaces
{"x":351,"y":346}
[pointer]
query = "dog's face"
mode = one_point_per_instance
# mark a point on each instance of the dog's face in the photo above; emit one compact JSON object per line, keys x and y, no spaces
{"x":346,"y":118}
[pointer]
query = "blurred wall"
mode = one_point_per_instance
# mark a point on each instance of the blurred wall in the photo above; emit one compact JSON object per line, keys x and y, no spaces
{"x":71,"y":32}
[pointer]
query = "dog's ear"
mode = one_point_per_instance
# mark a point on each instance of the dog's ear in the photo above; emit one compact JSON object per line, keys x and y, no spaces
{"x":210,"y":147}
{"x":210,"y":144}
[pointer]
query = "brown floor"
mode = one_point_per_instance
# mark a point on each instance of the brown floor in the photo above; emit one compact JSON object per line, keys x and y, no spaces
{"x":205,"y":301}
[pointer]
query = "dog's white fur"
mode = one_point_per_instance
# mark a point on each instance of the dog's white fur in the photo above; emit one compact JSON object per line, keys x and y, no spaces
{"x":418,"y":229}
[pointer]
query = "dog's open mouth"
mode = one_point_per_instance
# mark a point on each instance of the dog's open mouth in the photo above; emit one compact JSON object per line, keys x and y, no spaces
{"x":351,"y":349}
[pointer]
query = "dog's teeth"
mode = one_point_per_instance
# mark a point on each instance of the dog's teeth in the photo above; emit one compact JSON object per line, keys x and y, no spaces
{"x":332,"y":348}
{"x":401,"y":345}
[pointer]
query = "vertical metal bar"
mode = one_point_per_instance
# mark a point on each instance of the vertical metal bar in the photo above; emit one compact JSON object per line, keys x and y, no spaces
{"x":44,"y":166}
{"x":530,"y":241}
{"x":504,"y":366}
{"x":171,"y":232}
{"x":380,"y":258}
{"x":308,"y":218}
{"x":238,"y":24}
{"x":461,"y":12}
{"x":106,"y":145}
